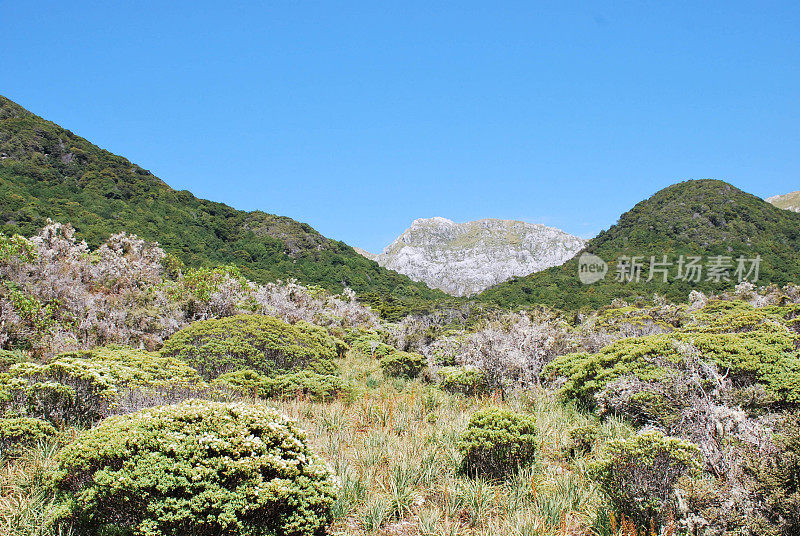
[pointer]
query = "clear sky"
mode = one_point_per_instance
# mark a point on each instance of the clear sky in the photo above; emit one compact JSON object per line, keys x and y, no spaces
{"x":359,"y":117}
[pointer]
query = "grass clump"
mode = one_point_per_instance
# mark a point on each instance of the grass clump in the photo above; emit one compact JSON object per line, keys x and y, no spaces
{"x":497,"y":442}
{"x":198,"y":467}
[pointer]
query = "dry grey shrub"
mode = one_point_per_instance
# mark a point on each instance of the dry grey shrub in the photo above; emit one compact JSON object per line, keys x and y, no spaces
{"x":694,"y":404}
{"x":118,"y":294}
{"x":511,"y":348}
{"x":292,"y":302}
{"x":94,"y":298}
{"x":416,"y":332}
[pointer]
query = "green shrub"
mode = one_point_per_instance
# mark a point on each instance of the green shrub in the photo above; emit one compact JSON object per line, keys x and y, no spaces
{"x":465,"y":380}
{"x":139,"y":367}
{"x":580,"y":440}
{"x":371,"y":346}
{"x":766,"y":354}
{"x":67,"y":391}
{"x":261,"y":343}
{"x":200,"y":468}
{"x":497,"y":442}
{"x":586,"y":374}
{"x":84,"y":387}
{"x":303,"y":383}
{"x":403,"y":364}
{"x":17,"y":434}
{"x":639,"y":476}
{"x":661,"y":404}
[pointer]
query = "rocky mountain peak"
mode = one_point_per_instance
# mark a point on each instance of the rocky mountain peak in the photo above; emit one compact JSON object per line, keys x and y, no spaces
{"x":466,"y":258}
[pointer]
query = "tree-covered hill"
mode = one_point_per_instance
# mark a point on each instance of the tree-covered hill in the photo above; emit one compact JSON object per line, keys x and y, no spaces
{"x":709,"y":219}
{"x":47,"y":171}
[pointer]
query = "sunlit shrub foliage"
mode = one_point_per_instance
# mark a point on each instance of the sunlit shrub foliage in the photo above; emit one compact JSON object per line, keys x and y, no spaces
{"x":18,"y":433}
{"x":371,"y":346}
{"x":261,"y":343}
{"x":201,"y":468}
{"x":303,"y":383}
{"x":465,"y":380}
{"x":497,"y":442}
{"x":83,"y":387}
{"x":403,"y":364}
{"x":639,"y":476}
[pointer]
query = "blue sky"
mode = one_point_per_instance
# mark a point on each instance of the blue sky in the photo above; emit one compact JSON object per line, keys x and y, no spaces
{"x":359,"y":117}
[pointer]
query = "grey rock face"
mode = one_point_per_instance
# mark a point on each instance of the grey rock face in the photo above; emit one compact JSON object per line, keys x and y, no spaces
{"x":466,"y":258}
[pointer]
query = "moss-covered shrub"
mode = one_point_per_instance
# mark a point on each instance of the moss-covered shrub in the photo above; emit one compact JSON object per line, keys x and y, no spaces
{"x":497,"y":442}
{"x":261,"y":343}
{"x":200,"y":468}
{"x":19,"y":433}
{"x":639,"y":476}
{"x":304,"y":383}
{"x":371,"y":346}
{"x":84,"y":387}
{"x":403,"y":364}
{"x":468,"y":381}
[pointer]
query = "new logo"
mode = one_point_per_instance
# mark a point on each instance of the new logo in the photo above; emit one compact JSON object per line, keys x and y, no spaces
{"x":591,"y":268}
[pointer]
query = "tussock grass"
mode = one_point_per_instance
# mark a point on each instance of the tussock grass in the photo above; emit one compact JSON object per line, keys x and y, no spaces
{"x":394,"y":446}
{"x":26,"y":504}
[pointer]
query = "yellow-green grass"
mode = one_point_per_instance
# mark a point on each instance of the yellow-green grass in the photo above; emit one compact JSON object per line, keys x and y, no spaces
{"x":393,"y":444}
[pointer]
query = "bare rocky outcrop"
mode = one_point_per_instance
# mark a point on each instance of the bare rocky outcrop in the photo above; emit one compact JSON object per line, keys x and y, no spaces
{"x":466,"y":258}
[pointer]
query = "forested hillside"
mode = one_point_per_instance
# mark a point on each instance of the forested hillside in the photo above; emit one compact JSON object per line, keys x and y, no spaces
{"x":47,"y":171}
{"x":701,"y":218}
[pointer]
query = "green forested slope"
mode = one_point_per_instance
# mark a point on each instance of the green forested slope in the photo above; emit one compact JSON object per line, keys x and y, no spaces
{"x":48,"y":172}
{"x":694,"y":218}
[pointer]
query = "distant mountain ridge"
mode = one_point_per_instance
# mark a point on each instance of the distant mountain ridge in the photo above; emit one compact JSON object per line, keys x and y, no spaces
{"x":465,"y":258}
{"x":46,"y":171}
{"x":790,"y":201}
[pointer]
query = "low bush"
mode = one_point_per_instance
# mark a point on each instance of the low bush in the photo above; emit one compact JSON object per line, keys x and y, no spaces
{"x":261,"y":343}
{"x":304,"y":383}
{"x":580,"y":440}
{"x":201,"y":468}
{"x":371,"y":346}
{"x":659,"y":404}
{"x":766,"y":355}
{"x":84,"y":387}
{"x":403,"y":364}
{"x":639,"y":476}
{"x":17,"y":434}
{"x":776,"y":482}
{"x":468,"y":381}
{"x":497,"y":442}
